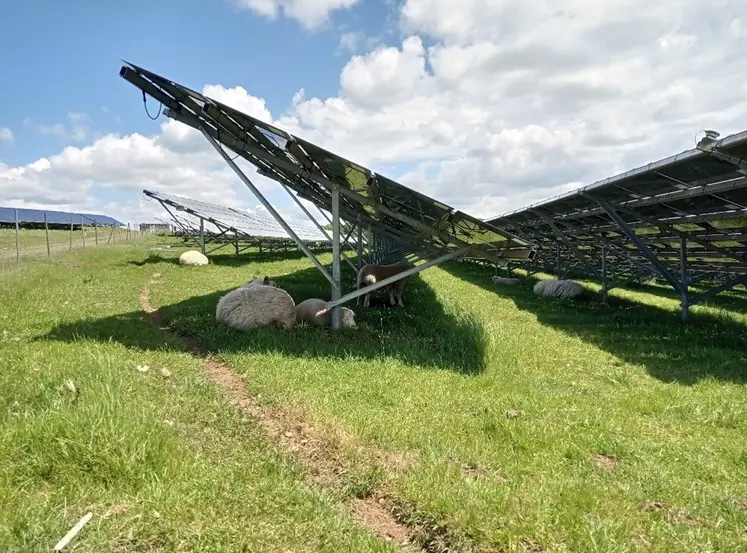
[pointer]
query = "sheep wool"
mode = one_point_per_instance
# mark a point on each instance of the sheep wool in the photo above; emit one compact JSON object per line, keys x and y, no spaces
{"x":554,"y":288}
{"x":254,"y":306}
{"x":313,"y":311}
{"x":193,"y":257}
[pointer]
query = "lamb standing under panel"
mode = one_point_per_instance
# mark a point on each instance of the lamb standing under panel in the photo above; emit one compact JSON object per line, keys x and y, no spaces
{"x":370,"y":274}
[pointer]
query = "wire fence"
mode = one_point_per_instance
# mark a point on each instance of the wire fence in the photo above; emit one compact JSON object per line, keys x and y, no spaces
{"x":17,"y":244}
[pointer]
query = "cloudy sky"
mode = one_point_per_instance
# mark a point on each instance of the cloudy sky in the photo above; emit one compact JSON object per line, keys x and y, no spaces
{"x":485,"y":104}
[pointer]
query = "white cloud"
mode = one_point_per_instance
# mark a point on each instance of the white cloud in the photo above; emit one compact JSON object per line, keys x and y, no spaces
{"x":350,"y":42}
{"x":511,"y":102}
{"x":6,"y":135}
{"x":310,"y":13}
{"x":79,"y":129}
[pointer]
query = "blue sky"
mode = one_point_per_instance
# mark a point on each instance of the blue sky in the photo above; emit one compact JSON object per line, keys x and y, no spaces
{"x":517,"y":100}
{"x":72,"y":63}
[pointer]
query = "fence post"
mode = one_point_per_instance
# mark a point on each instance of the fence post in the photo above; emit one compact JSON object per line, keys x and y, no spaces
{"x":18,"y":242}
{"x":46,"y":233}
{"x":96,"y":233}
{"x":71,"y":234}
{"x":83,"y":232}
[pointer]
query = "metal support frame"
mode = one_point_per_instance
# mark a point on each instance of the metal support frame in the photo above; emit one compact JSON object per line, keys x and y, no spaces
{"x":559,"y":235}
{"x":242,"y":146}
{"x":268,"y":206}
{"x":728,"y":285}
{"x":316,"y":223}
{"x":46,"y":234}
{"x":605,"y":288}
{"x":633,"y":237}
{"x":360,"y":243}
{"x":18,"y":239}
{"x":399,"y":276}
{"x":202,"y":235}
{"x":684,"y":305}
{"x":336,"y":284}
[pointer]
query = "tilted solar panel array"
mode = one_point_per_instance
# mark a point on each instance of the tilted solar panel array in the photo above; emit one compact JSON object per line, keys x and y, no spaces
{"x":697,"y":195}
{"x":36,"y":216}
{"x":246,"y":224}
{"x":405,"y":216}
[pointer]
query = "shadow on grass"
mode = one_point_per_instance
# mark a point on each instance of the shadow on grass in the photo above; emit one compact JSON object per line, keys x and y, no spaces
{"x":708,"y":346}
{"x":421,"y":334}
{"x":733,"y":300}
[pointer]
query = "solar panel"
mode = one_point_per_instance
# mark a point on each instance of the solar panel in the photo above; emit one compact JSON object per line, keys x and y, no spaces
{"x":403,"y":215}
{"x":694,"y":202}
{"x":36,"y":216}
{"x":249,"y":225}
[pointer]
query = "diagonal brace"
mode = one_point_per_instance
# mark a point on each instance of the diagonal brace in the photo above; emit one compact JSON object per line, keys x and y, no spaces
{"x":645,"y":250}
{"x":316,"y":223}
{"x":399,"y":276}
{"x":728,"y":285}
{"x":269,"y":208}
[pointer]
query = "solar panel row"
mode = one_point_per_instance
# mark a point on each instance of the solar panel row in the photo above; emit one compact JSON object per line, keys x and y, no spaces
{"x":405,"y":216}
{"x":8,"y":215}
{"x":242,"y":223}
{"x":695,"y":202}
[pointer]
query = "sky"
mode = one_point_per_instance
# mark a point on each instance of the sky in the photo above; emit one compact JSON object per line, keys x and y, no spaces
{"x":486,"y":105}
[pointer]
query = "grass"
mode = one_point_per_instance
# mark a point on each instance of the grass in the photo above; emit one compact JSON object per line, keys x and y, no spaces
{"x":33,"y":242}
{"x":163,"y":462}
{"x":525,"y":423}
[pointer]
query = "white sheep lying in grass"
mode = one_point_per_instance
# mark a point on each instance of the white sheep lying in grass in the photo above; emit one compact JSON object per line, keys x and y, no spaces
{"x":505,"y":281}
{"x":256,"y":281}
{"x":314,"y":312}
{"x":257,"y":303}
{"x":554,"y":288}
{"x":193,"y":257}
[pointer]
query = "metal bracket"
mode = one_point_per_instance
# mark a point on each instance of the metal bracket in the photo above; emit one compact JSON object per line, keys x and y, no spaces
{"x":707,"y":144}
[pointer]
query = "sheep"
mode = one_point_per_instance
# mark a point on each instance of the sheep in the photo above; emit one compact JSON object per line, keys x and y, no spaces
{"x":256,"y":281}
{"x":313,"y":311}
{"x":193,"y":257}
{"x":505,"y":281}
{"x":255,"y":304}
{"x":371,"y":273}
{"x":558,"y":289}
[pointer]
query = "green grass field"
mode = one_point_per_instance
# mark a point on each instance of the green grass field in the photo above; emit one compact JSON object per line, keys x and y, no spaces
{"x":32,"y":243}
{"x":490,"y":419}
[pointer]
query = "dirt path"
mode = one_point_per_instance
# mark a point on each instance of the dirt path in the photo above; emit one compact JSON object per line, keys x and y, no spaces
{"x":297,"y":438}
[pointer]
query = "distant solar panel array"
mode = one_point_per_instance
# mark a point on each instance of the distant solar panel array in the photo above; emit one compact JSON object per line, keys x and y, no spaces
{"x":250,"y":225}
{"x":9,"y":215}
